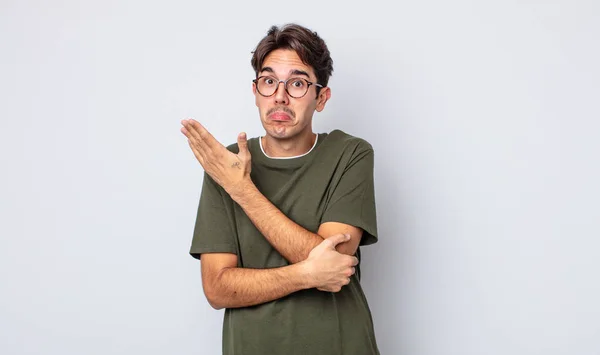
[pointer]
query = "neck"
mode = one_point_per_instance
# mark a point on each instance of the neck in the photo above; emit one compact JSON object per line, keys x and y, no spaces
{"x":279,"y":148}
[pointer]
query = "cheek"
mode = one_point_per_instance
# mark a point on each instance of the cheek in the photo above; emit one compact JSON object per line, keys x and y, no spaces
{"x":306,"y":110}
{"x":261,"y":104}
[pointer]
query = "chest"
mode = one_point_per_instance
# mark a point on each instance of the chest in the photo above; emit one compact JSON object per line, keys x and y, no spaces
{"x":302,"y":195}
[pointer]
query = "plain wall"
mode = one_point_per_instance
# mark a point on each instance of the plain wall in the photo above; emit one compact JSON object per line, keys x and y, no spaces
{"x":484,"y":117}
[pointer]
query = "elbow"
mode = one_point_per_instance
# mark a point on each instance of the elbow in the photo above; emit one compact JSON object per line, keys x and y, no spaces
{"x":347,"y":249}
{"x":215,"y":283}
{"x":215,"y":304}
{"x":214,"y":299}
{"x":212,"y":292}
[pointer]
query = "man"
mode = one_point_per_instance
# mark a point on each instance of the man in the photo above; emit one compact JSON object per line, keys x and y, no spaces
{"x":281,"y":217}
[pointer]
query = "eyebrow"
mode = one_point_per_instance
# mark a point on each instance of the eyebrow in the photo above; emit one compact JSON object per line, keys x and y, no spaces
{"x":292,"y":72}
{"x":299,"y":72}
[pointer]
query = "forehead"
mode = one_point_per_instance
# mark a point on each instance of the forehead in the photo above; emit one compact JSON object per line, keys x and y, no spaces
{"x":284,"y":61}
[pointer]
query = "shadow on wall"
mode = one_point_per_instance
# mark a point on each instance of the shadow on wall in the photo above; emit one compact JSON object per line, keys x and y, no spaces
{"x":386,"y":266}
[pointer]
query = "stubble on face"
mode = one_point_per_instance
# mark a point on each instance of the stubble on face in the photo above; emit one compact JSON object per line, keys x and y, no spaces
{"x":279,"y":129}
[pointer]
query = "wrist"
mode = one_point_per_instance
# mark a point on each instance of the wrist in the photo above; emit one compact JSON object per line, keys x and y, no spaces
{"x":241,"y":189}
{"x":305,"y":274}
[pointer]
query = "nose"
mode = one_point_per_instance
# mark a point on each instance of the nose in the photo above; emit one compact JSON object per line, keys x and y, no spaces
{"x":281,"y":95}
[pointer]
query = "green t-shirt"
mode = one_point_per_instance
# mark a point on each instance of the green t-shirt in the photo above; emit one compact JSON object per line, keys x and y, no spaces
{"x":331,"y":183}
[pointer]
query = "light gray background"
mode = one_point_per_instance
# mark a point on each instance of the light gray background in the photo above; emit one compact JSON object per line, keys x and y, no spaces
{"x":483,"y":115}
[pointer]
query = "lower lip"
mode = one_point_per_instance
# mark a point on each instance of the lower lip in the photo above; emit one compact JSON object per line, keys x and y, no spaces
{"x":280,"y":117}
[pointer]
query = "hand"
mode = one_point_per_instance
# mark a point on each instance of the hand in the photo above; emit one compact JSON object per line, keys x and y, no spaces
{"x":328,"y":269}
{"x":227,"y":169}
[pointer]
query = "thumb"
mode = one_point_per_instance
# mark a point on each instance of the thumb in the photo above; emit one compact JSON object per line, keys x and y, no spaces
{"x":337,"y":239}
{"x":243,"y":144}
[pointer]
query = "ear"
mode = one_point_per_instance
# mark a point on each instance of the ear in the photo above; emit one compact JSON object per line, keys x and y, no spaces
{"x":324,"y":96}
{"x":255,"y":94}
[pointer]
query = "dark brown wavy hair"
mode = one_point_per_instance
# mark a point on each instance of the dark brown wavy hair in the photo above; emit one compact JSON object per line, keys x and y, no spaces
{"x":311,"y":49}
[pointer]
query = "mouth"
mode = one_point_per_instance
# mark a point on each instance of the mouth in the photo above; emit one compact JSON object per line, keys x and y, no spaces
{"x":280,"y":116}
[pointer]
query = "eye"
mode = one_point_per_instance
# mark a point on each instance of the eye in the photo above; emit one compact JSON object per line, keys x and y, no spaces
{"x":297,"y":83}
{"x":268,"y":81}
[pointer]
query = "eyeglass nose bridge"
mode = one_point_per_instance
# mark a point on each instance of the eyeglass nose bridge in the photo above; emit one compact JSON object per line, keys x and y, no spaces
{"x":284,"y":82}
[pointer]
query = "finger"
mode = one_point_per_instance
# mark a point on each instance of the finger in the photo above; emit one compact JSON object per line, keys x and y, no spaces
{"x":191,"y":131}
{"x":204,"y":135}
{"x":354,"y":261}
{"x":185,"y":132}
{"x":189,"y":134}
{"x":193,"y":139}
{"x":199,"y":154}
{"x":242,"y":141}
{"x":337,"y":239}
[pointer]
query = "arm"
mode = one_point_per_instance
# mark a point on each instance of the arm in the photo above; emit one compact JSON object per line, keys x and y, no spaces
{"x":232,"y":172}
{"x":227,"y":286}
{"x":291,"y":240}
{"x":224,"y":284}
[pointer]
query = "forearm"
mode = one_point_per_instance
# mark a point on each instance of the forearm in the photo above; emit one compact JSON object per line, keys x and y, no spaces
{"x":242,"y":287}
{"x":291,"y":240}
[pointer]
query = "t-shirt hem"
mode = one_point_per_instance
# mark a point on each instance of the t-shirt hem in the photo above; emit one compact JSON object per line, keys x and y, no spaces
{"x":369,"y":233}
{"x":215,"y":248}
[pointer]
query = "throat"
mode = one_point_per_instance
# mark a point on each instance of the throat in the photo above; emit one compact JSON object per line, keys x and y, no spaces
{"x":287,"y":149}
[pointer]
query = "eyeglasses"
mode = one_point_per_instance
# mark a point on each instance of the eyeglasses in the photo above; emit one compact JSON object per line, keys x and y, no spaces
{"x":295,"y":87}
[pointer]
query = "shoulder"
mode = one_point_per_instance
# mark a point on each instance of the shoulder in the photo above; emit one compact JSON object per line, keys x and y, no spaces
{"x":233,"y":148}
{"x":348,"y":142}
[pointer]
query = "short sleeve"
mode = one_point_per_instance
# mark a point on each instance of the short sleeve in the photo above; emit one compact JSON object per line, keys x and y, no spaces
{"x":353,"y":198}
{"x":213,"y":231}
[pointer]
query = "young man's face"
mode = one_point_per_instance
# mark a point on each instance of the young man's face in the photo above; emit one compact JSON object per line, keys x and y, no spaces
{"x":282,"y":115}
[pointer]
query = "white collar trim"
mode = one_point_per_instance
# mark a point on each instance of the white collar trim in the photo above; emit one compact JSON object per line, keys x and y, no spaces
{"x":297,"y":156}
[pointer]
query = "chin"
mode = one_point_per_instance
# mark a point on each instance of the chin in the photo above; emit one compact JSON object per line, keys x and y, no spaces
{"x":280,"y":133}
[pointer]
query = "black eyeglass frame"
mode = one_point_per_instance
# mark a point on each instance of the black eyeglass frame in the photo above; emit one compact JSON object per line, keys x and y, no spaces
{"x":309,"y":83}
